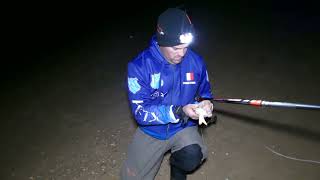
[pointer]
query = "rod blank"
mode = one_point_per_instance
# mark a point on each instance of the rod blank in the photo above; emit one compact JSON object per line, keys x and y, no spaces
{"x":268,"y":103}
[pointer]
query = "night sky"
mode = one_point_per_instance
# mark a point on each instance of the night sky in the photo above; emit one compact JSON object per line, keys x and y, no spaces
{"x":38,"y":35}
{"x":42,"y":29}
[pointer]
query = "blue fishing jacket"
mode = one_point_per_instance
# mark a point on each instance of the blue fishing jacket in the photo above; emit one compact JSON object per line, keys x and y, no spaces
{"x":156,"y":88}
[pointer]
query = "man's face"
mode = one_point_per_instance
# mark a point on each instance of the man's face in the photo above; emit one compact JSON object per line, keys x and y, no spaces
{"x":174,"y":54}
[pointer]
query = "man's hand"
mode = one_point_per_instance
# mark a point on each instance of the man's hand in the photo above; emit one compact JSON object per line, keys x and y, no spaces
{"x":190,"y":110}
{"x":207,"y":106}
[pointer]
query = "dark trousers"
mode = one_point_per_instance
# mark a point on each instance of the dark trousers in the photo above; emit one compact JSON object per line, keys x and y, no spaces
{"x":185,"y":161}
{"x":146,"y":153}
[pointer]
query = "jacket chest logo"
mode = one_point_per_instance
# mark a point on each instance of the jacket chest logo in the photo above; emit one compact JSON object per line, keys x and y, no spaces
{"x":155,"y":81}
{"x":189,"y":78}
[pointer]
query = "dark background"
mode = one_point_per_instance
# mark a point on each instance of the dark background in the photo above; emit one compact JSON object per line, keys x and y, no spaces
{"x":63,"y":91}
{"x":38,"y":36}
{"x":40,"y":30}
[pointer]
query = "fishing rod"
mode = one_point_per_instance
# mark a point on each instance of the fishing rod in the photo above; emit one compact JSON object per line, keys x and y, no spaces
{"x":262,"y":103}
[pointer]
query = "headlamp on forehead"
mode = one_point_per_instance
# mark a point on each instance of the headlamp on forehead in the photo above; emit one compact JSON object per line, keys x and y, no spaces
{"x":186,"y":38}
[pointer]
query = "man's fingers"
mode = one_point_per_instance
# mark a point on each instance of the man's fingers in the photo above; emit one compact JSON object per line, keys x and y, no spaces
{"x":208,"y":110}
{"x":190,"y":111}
{"x":194,"y":106}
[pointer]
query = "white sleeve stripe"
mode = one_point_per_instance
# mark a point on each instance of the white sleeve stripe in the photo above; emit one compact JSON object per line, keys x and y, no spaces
{"x":145,"y":116}
{"x":137,"y":101}
{"x":173,"y":118}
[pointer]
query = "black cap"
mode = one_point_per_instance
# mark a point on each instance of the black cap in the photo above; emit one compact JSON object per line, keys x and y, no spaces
{"x":171,"y":24}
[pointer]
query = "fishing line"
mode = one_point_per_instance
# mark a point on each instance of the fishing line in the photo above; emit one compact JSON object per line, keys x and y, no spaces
{"x":292,"y":158}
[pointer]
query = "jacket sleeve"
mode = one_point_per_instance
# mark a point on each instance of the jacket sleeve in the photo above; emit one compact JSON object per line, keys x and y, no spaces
{"x":204,"y":90}
{"x":146,"y":109}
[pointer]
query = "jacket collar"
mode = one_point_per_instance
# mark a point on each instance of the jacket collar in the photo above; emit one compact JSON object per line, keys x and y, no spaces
{"x":155,"y":50}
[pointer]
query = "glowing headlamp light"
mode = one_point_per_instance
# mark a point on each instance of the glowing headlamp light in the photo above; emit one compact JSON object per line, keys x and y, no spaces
{"x":186,"y":38}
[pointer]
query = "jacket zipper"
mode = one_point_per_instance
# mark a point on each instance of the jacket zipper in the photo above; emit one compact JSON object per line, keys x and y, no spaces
{"x":172,"y":93}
